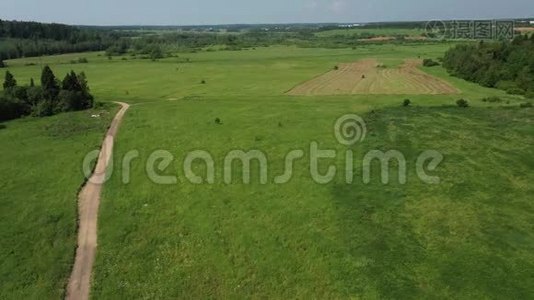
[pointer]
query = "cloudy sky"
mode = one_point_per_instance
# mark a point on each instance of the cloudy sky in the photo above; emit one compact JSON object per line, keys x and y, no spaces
{"x":182,"y":12}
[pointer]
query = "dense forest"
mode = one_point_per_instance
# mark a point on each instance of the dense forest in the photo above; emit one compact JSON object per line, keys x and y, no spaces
{"x":24,"y":39}
{"x":51,"y":97}
{"x":505,"y":65}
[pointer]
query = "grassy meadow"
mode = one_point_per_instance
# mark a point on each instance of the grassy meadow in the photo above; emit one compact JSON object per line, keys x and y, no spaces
{"x":40,"y":177}
{"x":469,"y":237}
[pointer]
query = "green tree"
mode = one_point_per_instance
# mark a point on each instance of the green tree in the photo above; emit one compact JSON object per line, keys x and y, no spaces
{"x":49,"y":84}
{"x":70,"y":83}
{"x":88,"y":101}
{"x":9,"y":82}
{"x":156,"y":53}
{"x":2,"y":64}
{"x":74,"y":94}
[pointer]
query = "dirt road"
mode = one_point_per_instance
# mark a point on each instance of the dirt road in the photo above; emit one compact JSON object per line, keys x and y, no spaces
{"x":79,"y":285}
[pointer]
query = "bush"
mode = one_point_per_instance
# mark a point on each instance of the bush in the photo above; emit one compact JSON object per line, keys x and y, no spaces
{"x":525,"y":105}
{"x":156,"y":53}
{"x":218,"y":121}
{"x":427,"y":62}
{"x":492,"y":100}
{"x":12,"y":108}
{"x":407,"y":102}
{"x":2,"y":64}
{"x":336,"y":68}
{"x":34,"y":94}
{"x":515,"y":91}
{"x":462,"y":103}
{"x":203,"y":82}
{"x":82,"y":60}
{"x":71,"y":101}
{"x":44,"y":108}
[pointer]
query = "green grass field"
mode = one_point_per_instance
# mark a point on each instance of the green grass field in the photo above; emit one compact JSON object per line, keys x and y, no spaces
{"x":40,"y":177}
{"x":469,"y":237}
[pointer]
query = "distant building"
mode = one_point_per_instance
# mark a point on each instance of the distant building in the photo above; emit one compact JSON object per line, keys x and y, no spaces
{"x":350,"y":25}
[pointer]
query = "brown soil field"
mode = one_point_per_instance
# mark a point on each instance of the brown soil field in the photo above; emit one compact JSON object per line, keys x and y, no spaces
{"x":525,"y":29}
{"x":368,"y":76}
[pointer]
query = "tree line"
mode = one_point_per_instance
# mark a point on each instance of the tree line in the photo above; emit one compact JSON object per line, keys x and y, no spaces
{"x":24,"y":39}
{"x":507,"y":65}
{"x":51,"y":97}
{"x":153,"y":45}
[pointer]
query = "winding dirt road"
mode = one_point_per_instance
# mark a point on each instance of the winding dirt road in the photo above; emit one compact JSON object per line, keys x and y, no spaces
{"x":79,"y":285}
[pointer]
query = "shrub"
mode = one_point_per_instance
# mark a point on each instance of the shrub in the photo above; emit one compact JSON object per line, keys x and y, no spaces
{"x":407,"y":102}
{"x":2,"y":63}
{"x":515,"y":91}
{"x":12,"y":108}
{"x":525,"y":105}
{"x":71,"y":101}
{"x":462,"y":103}
{"x":336,"y":68}
{"x":82,"y":60}
{"x":156,"y":53}
{"x":203,"y":82}
{"x":492,"y":100}
{"x":218,"y":121}
{"x":34,"y":94}
{"x":427,"y":62}
{"x":44,"y":108}
{"x":99,"y":105}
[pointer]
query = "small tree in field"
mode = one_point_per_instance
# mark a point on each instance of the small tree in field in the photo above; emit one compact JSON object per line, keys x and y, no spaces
{"x":462,"y":103}
{"x":406,"y":103}
{"x":2,"y":64}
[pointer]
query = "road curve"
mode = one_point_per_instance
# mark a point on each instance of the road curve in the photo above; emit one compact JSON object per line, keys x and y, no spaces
{"x":79,"y":285}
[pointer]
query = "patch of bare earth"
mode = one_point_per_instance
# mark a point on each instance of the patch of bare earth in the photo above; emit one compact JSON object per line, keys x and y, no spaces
{"x":368,"y":76}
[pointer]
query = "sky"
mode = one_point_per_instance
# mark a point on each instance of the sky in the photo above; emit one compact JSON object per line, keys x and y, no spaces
{"x":206,"y":12}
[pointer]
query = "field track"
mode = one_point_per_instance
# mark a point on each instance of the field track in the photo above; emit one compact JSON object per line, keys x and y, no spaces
{"x":369,"y":77}
{"x":79,"y":285}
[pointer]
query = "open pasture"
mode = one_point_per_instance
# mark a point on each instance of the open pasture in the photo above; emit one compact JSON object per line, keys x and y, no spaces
{"x":471,"y":235}
{"x":368,"y":76}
